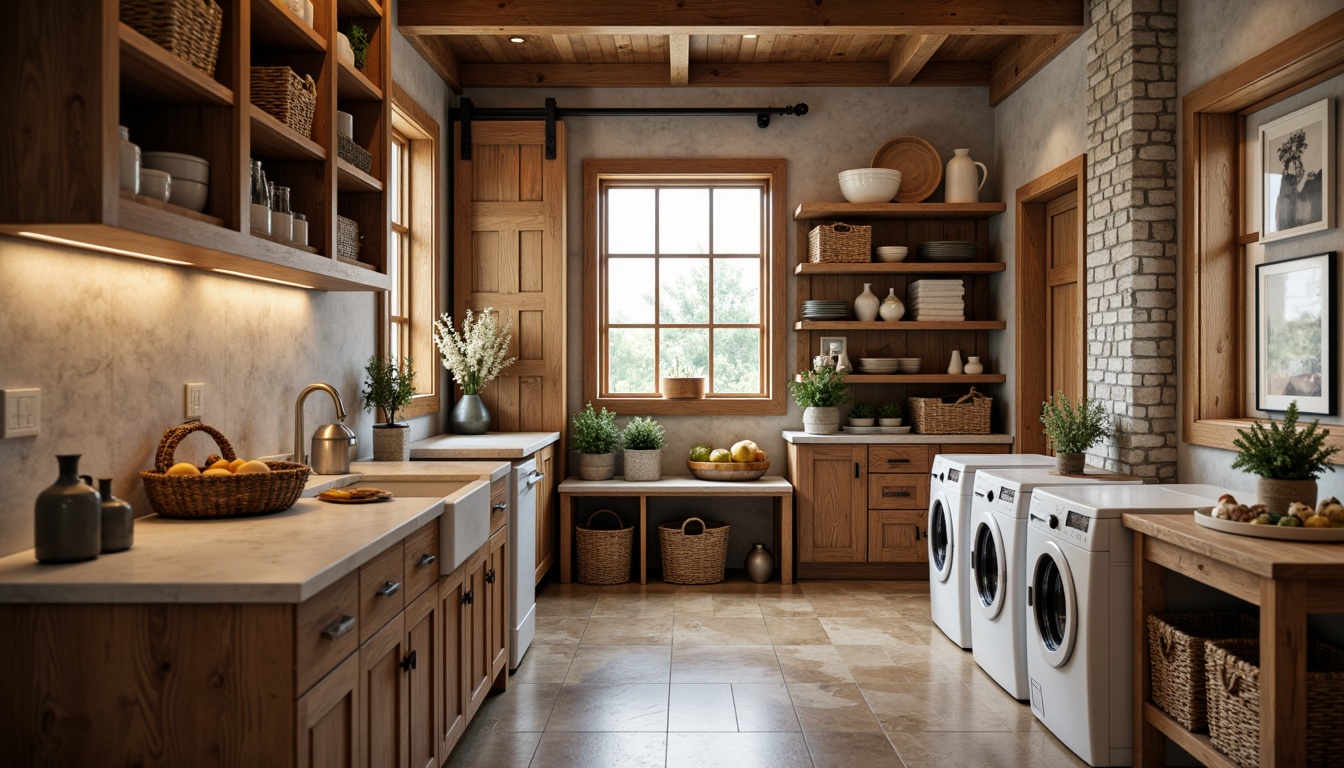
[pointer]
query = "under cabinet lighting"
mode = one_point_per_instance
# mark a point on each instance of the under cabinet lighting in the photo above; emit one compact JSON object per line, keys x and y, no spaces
{"x":748,"y":37}
{"x":103,"y":248}
{"x":259,"y":277}
{"x":517,"y":40}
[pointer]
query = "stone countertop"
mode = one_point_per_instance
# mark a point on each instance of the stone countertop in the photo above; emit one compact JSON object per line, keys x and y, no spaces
{"x":492,"y":445}
{"x":802,"y":438}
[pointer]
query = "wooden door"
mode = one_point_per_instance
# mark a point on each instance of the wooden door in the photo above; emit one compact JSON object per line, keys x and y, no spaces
{"x":897,"y":535}
{"x":328,"y":720}
{"x":383,"y":697}
{"x":475,"y":667}
{"x":424,"y":685}
{"x":547,"y":526}
{"x":1064,"y":301}
{"x":497,"y":603}
{"x":831,"y":483}
{"x":509,"y":254}
{"x":452,"y":716}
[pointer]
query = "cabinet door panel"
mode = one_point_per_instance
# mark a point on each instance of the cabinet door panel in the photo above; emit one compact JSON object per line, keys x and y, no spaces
{"x":897,"y":536}
{"x":497,"y":603}
{"x":424,"y":693}
{"x":328,"y":720}
{"x":452,"y":720}
{"x":382,"y":694}
{"x":475,"y":662}
{"x":898,"y":491}
{"x":832,"y":503}
{"x":546,"y":511}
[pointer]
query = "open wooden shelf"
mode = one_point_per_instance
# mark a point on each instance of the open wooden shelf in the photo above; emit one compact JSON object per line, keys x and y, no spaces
{"x":1197,"y":744}
{"x":169,"y":208}
{"x":351,"y":179}
{"x":356,"y":263}
{"x":274,"y":140}
{"x":926,"y":211}
{"x":358,"y":8}
{"x":920,"y":378}
{"x":276,"y":27}
{"x":901,"y":268}
{"x":154,"y":75}
{"x":286,"y":243}
{"x":352,"y":85}
{"x":899,"y":325}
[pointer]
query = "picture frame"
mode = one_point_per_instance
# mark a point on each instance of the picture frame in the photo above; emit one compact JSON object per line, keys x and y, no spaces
{"x":1297,"y":173}
{"x":826,"y":342}
{"x":1295,"y":334}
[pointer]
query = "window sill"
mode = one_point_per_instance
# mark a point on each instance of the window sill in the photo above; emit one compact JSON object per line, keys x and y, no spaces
{"x":421,"y":405}
{"x":1219,"y":433}
{"x":657,"y":406}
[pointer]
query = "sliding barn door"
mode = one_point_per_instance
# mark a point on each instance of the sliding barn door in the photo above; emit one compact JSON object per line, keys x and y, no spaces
{"x":509,"y":254}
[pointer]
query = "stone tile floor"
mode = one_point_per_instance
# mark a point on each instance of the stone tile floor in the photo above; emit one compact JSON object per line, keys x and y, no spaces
{"x":736,"y":674}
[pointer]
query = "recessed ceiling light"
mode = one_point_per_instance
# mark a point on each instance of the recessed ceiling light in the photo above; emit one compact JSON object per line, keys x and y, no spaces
{"x":748,"y":37}
{"x":517,"y":40}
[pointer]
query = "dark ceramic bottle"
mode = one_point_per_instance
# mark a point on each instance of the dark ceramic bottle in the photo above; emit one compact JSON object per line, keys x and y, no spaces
{"x":118,"y":520}
{"x":760,"y":564}
{"x":68,"y":525}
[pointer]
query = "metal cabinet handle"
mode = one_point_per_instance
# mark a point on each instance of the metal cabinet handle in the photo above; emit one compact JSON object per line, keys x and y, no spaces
{"x":1029,"y":595}
{"x":409,"y":662}
{"x":535,"y":478}
{"x":427,"y":559}
{"x":467,"y":598}
{"x":890,"y":494}
{"x":856,"y":470}
{"x":916,"y":533}
{"x":898,"y":461}
{"x":490,"y":576}
{"x":339,"y":627}
{"x":389,"y":588}
{"x":501,"y":506}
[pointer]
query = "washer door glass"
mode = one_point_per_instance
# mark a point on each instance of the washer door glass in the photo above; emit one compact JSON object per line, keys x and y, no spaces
{"x":942,"y":541}
{"x":1054,"y":604}
{"x":990,"y":567}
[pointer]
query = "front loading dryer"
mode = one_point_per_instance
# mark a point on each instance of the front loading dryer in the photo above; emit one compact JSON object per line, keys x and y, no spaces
{"x":999,"y":507}
{"x":949,"y":534}
{"x":1080,"y":610}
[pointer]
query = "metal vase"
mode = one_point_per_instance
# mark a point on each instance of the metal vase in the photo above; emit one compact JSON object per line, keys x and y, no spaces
{"x":760,"y":564}
{"x":469,"y":416}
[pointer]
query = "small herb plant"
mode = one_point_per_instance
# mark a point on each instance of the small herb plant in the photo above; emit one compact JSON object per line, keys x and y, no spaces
{"x":595,"y":432}
{"x":1074,"y":428}
{"x":862,"y":410}
{"x":891,"y":410}
{"x":821,"y":387}
{"x":1285,"y":452}
{"x":679,"y":370}
{"x":644,"y":434}
{"x":388,"y":387}
{"x":359,"y":43}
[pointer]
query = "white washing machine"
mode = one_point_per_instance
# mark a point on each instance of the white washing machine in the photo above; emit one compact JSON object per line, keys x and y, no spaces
{"x":1081,"y":610}
{"x":949,"y":534}
{"x":999,"y":506}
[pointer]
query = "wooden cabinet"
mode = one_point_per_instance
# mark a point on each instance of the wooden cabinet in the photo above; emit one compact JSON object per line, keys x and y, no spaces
{"x":451,"y":720}
{"x":829,"y":482}
{"x":547,"y":520}
{"x":475,"y":634}
{"x":328,"y":720}
{"x":497,"y":604}
{"x":424,"y":691}
{"x":383,"y":663}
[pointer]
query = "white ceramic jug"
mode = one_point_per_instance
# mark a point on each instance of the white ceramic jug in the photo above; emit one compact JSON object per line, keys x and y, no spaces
{"x":962,"y":186}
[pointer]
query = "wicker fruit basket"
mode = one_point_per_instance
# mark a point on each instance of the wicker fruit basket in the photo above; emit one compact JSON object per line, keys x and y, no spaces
{"x":188,"y":29}
{"x":728,"y":471}
{"x":693,"y":558}
{"x":1176,"y":647}
{"x":197,"y":496}
{"x":969,"y":415}
{"x":604,"y":554}
{"x":840,"y":244}
{"x":281,"y":93}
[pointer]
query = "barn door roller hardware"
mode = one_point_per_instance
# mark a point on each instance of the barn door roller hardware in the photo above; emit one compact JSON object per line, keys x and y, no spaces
{"x":467,"y":112}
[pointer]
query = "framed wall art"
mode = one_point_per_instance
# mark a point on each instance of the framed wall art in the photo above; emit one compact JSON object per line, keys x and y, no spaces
{"x":1295,"y":334}
{"x":1297,"y":173}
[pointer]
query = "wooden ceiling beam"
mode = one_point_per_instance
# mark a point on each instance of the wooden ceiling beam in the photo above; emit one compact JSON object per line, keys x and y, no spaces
{"x":679,"y":57}
{"x":764,"y":17}
{"x":655,"y":75}
{"x":909,"y":55}
{"x":439,"y":55}
{"x":1023,"y":58}
{"x":581,"y":75}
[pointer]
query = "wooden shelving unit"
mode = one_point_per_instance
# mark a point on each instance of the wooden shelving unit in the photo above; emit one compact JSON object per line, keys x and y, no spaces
{"x":155,"y":75}
{"x":901,"y":268}
{"x":352,"y":85}
{"x":899,"y":326}
{"x":272,"y":138}
{"x":921,"y":378}
{"x":351,"y":179}
{"x":275,"y":26}
{"x":897,"y":211}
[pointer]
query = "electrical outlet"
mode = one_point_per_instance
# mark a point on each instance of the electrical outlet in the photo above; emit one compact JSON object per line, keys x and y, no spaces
{"x":195,"y":403}
{"x":22,"y":410}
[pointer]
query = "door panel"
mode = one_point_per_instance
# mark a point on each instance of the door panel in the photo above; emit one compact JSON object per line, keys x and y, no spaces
{"x":897,"y":536}
{"x":328,"y":720}
{"x":424,"y":689}
{"x":382,"y":690}
{"x":832,"y":503}
{"x":546,"y":511}
{"x":452,"y":630}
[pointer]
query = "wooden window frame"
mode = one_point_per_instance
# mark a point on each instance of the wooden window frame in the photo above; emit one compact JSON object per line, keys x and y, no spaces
{"x":1213,"y":240}
{"x":421,"y":277}
{"x":773,"y":399}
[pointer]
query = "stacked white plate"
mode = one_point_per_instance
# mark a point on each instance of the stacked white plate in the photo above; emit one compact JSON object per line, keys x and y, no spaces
{"x":946,"y":250}
{"x":825,"y":309}
{"x":892,"y":253}
{"x":907,"y":364}
{"x":878,"y":365}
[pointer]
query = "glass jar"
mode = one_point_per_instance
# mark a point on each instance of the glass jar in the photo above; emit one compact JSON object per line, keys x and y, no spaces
{"x":128,"y":175}
{"x":260,"y":208}
{"x":282,"y":222}
{"x":300,"y":229}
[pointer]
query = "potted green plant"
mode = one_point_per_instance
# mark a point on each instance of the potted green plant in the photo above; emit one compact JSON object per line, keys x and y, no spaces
{"x":475,"y":357}
{"x":682,"y":382}
{"x":890,"y":414}
{"x":644,"y":439}
{"x":1072,"y":429}
{"x":1286,"y":458}
{"x":819,"y":391}
{"x":359,"y":44}
{"x":862,"y":414}
{"x":596,"y":437}
{"x":389,"y":386}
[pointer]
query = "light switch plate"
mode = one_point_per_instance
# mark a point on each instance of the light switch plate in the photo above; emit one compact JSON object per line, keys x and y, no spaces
{"x":22,"y":409}
{"x":195,"y":401}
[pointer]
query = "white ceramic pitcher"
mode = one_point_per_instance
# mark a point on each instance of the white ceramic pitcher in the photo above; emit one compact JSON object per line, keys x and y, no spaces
{"x":961,"y":178}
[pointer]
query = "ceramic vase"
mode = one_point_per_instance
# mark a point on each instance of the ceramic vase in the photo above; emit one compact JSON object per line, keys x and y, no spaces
{"x":643,"y":466}
{"x":392,"y":442}
{"x":1070,"y":463}
{"x":1276,"y":495}
{"x":973,"y":366}
{"x":118,"y":520}
{"x":964,"y":178}
{"x":68,"y":524}
{"x":821,"y":421}
{"x":760,"y":564}
{"x":469,"y":416}
{"x":866,"y":305}
{"x":955,"y":367}
{"x":892,"y":308}
{"x":597,"y":466}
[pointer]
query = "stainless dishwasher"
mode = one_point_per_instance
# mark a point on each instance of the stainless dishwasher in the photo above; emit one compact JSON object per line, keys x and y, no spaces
{"x":522,"y":558}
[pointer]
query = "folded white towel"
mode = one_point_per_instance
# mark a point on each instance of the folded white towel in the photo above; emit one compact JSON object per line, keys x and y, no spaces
{"x":931,"y":316}
{"x":935,"y":304}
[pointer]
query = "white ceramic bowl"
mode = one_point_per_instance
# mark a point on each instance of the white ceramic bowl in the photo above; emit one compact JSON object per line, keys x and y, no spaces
{"x":891,"y":256}
{"x":189,"y":194}
{"x":181,"y":166}
{"x":870,"y":185}
{"x":155,"y":184}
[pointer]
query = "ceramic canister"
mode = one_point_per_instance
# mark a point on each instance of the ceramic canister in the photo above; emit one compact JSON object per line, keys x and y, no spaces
{"x":961,"y":182}
{"x":68,"y":524}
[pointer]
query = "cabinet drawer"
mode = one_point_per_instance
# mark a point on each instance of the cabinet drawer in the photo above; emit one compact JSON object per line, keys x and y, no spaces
{"x":898,"y":492}
{"x":900,"y":458}
{"x":325,"y":631}
{"x":422,"y":559}
{"x":381,"y":590}
{"x":499,"y":503}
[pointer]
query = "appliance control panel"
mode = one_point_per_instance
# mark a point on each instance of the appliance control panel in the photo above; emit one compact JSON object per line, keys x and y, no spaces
{"x":1054,"y":516}
{"x":1001,"y":496}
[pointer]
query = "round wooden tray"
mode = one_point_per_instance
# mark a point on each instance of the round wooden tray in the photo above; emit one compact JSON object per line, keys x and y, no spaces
{"x":920,"y":165}
{"x":728,"y":471}
{"x":1204,"y":517}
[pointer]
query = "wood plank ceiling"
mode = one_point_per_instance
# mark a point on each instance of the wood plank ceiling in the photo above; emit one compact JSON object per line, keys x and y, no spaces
{"x":658,"y":43}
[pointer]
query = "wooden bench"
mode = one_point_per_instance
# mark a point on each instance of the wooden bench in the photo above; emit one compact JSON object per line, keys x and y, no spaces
{"x":768,"y":487}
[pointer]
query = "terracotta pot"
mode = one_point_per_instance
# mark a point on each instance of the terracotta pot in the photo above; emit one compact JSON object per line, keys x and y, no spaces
{"x":1070,"y":463}
{"x":597,"y":466}
{"x":821,"y":421}
{"x":682,"y":388}
{"x":1276,"y":495}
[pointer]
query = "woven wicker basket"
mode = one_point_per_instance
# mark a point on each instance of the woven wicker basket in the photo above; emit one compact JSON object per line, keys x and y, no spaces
{"x":840,"y":243}
{"x":693,"y":558}
{"x":281,"y":93}
{"x":188,"y":29}
{"x":969,"y":415}
{"x":1176,"y":643}
{"x":195,"y":496}
{"x":352,"y":153}
{"x":348,"y":241}
{"x":1234,"y":700}
{"x":604,"y":555}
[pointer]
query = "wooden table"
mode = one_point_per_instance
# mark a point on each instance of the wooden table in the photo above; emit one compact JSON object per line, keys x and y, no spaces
{"x":1288,"y":580}
{"x":770,"y":486}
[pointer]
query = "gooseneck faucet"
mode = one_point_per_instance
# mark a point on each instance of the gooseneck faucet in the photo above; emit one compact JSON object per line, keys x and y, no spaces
{"x":331,"y":442}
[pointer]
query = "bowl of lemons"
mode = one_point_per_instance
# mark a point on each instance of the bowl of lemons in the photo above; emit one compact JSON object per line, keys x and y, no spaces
{"x":744,"y":461}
